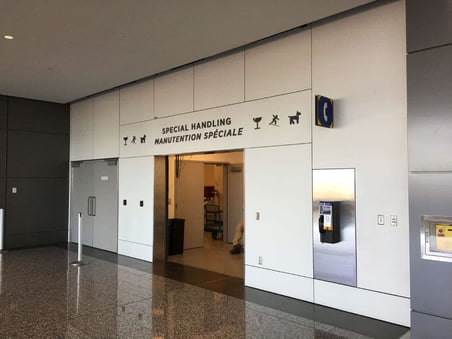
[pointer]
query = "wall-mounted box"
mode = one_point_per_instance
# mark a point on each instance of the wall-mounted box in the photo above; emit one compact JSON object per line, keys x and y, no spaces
{"x":436,"y":238}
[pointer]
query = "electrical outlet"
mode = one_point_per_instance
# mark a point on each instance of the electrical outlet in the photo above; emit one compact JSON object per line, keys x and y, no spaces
{"x":380,"y":219}
{"x":258,"y":216}
{"x":261,"y":261}
{"x":394,"y":220}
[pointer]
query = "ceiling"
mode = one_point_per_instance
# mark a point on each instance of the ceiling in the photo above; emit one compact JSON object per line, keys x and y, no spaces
{"x":64,"y":50}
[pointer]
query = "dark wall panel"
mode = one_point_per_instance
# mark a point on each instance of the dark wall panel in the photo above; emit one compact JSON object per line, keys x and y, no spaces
{"x":3,"y":134}
{"x":428,"y":23}
{"x":33,"y":115}
{"x":3,"y":111}
{"x":2,"y":193}
{"x":32,"y":154}
{"x":37,"y":207}
{"x":430,"y":110}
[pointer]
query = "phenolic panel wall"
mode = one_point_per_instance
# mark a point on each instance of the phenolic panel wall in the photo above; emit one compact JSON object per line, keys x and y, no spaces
{"x":3,"y":141}
{"x":135,"y":227}
{"x":219,"y":81}
{"x":39,"y":116}
{"x":430,"y":107}
{"x":106,"y":126}
{"x":3,"y":111}
{"x":428,"y":23}
{"x":95,"y":127}
{"x":279,"y":66}
{"x":3,"y":153}
{"x":278,"y":209}
{"x":37,"y":213}
{"x":136,"y":102}
{"x":364,"y":70}
{"x":2,"y":192}
{"x":37,"y":167}
{"x":81,"y":142}
{"x":174,"y":93}
{"x":32,"y":154}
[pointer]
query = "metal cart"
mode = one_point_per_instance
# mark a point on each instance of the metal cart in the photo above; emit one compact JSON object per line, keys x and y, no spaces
{"x":213,"y":219}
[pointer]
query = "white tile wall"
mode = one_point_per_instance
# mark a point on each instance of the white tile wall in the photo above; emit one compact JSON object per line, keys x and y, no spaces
{"x":280,"y":66}
{"x":220,"y":81}
{"x":81,"y":135}
{"x":106,"y":125}
{"x":278,"y":187}
{"x":136,"y":224}
{"x":381,"y":306}
{"x":174,"y":93}
{"x":136,"y":102}
{"x":364,"y":70}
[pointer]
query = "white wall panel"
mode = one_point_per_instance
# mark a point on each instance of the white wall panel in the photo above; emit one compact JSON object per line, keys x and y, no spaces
{"x":364,"y":69}
{"x":135,"y":250}
{"x":290,"y":285}
{"x":174,"y":93}
{"x":81,"y":135}
{"x":368,"y":303}
{"x":135,"y":229}
{"x":141,"y":145}
{"x":136,"y":102}
{"x":282,"y":65}
{"x":106,"y":125}
{"x":220,"y":81}
{"x":278,"y":187}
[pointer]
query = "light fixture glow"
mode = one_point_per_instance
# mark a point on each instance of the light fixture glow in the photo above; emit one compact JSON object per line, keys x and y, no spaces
{"x":8,"y":37}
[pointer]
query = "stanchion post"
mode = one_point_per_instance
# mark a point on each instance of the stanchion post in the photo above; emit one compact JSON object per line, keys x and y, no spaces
{"x":1,"y":229}
{"x":2,"y":232}
{"x":79,"y":221}
{"x":79,"y":261}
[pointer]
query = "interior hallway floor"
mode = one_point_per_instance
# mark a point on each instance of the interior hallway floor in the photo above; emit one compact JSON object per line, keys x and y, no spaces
{"x":41,"y":295}
{"x":213,"y":256}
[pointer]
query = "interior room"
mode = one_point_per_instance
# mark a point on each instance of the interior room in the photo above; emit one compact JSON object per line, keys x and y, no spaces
{"x":206,"y":191}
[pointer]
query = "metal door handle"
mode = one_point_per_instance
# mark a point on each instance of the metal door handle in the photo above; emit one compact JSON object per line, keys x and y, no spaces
{"x":94,"y":206}
{"x":89,"y":206}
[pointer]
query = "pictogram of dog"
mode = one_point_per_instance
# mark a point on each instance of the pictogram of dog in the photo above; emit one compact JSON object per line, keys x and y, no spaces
{"x":294,"y":119}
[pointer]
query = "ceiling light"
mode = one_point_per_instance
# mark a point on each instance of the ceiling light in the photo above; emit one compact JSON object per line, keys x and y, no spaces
{"x":8,"y":37}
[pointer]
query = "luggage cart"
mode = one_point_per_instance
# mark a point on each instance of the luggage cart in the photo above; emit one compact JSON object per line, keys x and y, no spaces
{"x":213,"y":220}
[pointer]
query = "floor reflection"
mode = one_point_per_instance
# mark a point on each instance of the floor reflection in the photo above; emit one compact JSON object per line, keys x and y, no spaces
{"x":43,"y":296}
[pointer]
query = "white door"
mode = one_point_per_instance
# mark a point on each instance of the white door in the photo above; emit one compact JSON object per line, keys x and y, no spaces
{"x":190,"y":202}
{"x":94,"y":193}
{"x":235,"y":199}
{"x":81,"y":193}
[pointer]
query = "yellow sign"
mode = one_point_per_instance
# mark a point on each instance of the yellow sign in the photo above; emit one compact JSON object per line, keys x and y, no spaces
{"x":444,"y":237}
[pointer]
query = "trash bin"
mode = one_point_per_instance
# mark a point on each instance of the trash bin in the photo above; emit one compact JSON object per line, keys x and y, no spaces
{"x":175,"y":236}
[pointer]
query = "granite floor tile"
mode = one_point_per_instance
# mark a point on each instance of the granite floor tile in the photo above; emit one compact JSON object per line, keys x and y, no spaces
{"x":42,"y":296}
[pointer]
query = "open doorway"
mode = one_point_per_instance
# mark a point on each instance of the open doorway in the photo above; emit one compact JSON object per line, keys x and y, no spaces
{"x":206,"y":190}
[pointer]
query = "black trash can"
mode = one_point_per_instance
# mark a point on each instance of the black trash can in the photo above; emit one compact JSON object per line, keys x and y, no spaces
{"x":175,"y":236}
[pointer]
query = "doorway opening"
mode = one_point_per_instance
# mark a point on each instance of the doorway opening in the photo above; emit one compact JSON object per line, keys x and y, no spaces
{"x":206,"y":191}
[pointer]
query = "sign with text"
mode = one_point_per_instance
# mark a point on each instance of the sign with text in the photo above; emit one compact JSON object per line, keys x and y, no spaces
{"x":273,"y":121}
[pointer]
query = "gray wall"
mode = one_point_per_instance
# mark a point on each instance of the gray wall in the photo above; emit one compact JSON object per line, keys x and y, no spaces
{"x":34,"y":144}
{"x":3,"y":134}
{"x":429,"y":70}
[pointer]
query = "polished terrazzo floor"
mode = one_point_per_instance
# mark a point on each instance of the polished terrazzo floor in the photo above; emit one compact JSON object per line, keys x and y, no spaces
{"x":213,"y":256}
{"x":42,"y":296}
